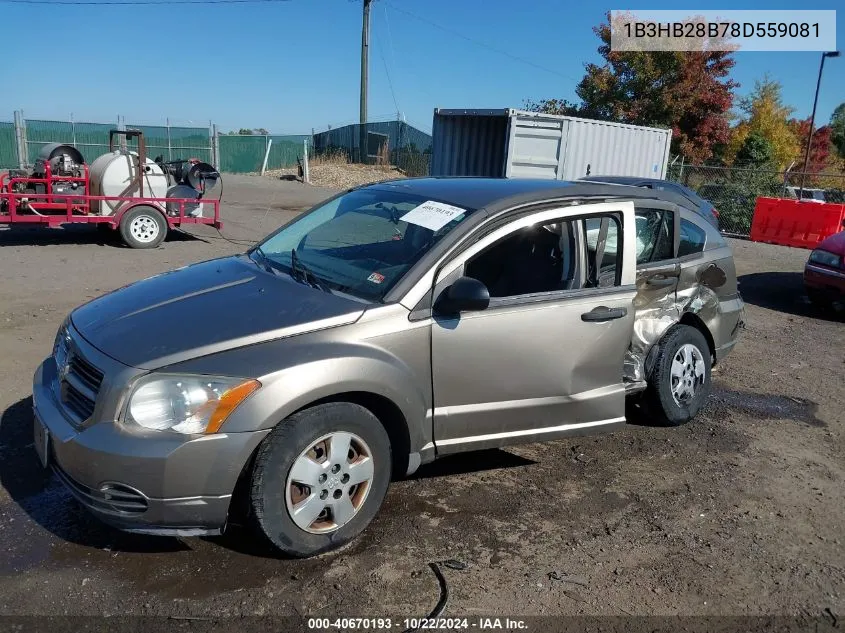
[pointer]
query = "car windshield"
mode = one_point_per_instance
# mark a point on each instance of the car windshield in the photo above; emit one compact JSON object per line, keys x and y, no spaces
{"x":360,"y":243}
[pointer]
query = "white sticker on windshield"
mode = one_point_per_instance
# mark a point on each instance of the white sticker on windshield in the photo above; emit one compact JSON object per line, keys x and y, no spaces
{"x":432,"y":215}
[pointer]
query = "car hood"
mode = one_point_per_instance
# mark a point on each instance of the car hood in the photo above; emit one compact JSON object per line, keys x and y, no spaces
{"x":834,"y":244}
{"x":203,"y":309}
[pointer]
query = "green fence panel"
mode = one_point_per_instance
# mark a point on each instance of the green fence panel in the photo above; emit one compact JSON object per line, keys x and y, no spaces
{"x":91,"y":139}
{"x":8,"y":146}
{"x":175,"y":143}
{"x":285,"y":150}
{"x":241,"y":154}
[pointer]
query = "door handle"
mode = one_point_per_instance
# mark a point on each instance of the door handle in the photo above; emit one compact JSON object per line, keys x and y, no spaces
{"x":659,"y":281}
{"x":603,"y":313}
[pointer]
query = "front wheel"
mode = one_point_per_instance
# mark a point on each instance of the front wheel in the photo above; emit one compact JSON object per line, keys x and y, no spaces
{"x":680,"y":381}
{"x":320,"y":477}
{"x":143,"y":227}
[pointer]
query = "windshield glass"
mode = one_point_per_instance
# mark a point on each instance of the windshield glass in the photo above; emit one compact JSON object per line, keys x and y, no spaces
{"x":360,"y":243}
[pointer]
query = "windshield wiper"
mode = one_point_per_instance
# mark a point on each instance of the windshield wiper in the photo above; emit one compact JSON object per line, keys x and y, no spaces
{"x":264,"y":260}
{"x":308,"y":277}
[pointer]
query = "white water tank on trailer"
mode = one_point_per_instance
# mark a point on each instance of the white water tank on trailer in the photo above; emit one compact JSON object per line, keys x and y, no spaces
{"x":510,"y":143}
{"x":114,"y":174}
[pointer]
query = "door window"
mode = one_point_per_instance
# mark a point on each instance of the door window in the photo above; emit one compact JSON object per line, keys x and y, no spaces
{"x":544,"y":258}
{"x":603,"y":237}
{"x":693,"y":238}
{"x":532,"y":260}
{"x":654,"y":235}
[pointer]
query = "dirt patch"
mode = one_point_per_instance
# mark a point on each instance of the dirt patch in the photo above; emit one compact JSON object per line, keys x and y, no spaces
{"x":339,"y":174}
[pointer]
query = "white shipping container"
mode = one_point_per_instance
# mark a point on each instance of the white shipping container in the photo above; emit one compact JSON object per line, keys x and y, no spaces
{"x":513,"y":143}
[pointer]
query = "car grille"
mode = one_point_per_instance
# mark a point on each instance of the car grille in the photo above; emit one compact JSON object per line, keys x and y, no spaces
{"x":112,"y":497}
{"x":86,"y":372}
{"x":79,"y":387}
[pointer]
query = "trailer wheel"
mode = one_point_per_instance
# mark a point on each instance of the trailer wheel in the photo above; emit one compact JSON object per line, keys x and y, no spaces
{"x":143,"y":227}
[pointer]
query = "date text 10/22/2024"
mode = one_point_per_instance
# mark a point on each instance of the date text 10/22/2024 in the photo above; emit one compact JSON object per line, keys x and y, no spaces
{"x":413,"y":624}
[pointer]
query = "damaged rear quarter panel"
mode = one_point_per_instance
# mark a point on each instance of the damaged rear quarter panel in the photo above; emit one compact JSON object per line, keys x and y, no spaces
{"x":706,"y":287}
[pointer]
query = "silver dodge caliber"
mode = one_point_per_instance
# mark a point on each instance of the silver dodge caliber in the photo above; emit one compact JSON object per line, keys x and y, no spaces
{"x":390,"y":325}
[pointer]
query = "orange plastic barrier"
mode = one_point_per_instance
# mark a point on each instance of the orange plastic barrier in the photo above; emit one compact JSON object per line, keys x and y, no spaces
{"x":793,"y":223}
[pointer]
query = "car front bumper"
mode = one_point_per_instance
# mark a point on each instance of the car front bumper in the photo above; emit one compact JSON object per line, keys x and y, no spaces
{"x":138,"y":480}
{"x":825,"y":280}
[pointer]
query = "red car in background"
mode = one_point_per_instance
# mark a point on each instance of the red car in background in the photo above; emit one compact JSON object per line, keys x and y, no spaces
{"x":824,"y":272}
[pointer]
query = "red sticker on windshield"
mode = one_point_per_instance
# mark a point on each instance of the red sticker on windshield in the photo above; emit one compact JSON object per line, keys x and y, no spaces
{"x":376,"y":278}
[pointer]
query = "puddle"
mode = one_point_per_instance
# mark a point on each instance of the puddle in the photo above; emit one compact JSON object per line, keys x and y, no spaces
{"x":767,"y":406}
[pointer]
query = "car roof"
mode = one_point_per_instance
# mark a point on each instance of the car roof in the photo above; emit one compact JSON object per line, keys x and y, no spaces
{"x":639,"y":182}
{"x":498,"y":193}
{"x":623,"y":180}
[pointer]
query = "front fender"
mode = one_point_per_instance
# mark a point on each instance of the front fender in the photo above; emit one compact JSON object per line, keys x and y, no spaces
{"x":307,"y":371}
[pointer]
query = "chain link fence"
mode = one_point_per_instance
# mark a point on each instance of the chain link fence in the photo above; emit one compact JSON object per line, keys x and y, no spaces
{"x":8,"y":146}
{"x":734,"y":190}
{"x":388,"y":143}
{"x":245,"y":153}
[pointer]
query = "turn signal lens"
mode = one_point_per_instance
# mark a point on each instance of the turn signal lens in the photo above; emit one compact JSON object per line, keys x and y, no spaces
{"x":228,"y":402}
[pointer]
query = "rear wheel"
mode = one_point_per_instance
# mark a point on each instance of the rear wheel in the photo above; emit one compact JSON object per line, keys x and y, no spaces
{"x":320,"y":477}
{"x":680,"y":381}
{"x":143,"y":227}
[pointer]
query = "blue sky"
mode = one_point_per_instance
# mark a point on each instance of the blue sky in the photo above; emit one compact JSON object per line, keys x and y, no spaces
{"x":292,"y":66}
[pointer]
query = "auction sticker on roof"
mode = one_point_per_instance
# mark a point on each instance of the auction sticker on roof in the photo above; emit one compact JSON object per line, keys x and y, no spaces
{"x":432,"y":215}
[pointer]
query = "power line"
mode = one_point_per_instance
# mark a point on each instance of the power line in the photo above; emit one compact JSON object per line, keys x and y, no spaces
{"x":386,"y":71}
{"x":389,"y":36}
{"x":136,"y":2}
{"x":479,"y":42}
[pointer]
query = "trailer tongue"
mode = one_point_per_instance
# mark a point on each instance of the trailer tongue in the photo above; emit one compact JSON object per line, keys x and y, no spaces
{"x":122,"y":190}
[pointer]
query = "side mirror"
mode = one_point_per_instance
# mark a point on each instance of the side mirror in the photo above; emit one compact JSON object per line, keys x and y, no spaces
{"x":465,"y":295}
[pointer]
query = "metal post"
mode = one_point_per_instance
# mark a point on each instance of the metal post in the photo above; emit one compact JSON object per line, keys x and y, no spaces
{"x":812,"y":121}
{"x":73,"y":129}
{"x":306,"y":174}
{"x":269,"y":144}
{"x":215,"y":146}
{"x":169,"y":145}
{"x":20,"y":138}
{"x":365,"y":53}
{"x":121,"y":125}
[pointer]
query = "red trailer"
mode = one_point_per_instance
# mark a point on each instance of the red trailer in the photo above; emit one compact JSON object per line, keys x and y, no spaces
{"x":121,"y":190}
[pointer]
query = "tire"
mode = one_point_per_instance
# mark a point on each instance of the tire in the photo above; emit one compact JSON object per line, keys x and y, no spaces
{"x":275,"y":495}
{"x":676,"y":393}
{"x":143,"y":227}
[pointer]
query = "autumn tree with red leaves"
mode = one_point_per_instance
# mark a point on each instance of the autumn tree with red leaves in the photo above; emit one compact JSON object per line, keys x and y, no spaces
{"x":820,"y":154}
{"x":689,"y":92}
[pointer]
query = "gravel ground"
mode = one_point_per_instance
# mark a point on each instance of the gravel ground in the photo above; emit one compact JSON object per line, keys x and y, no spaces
{"x":738,"y":513}
{"x":340,"y":175}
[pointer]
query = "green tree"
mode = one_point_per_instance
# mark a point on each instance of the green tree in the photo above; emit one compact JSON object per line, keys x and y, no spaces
{"x":756,"y":151}
{"x":837,"y":129}
{"x":688,"y":91}
{"x":766,"y":114}
{"x":245,"y":131}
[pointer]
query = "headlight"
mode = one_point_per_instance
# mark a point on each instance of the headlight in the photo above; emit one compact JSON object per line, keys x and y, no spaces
{"x":61,"y":346}
{"x":825,"y":258}
{"x":186,"y":404}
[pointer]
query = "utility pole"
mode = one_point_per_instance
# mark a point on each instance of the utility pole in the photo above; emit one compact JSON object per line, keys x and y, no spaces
{"x":812,"y":121}
{"x":365,"y":62}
